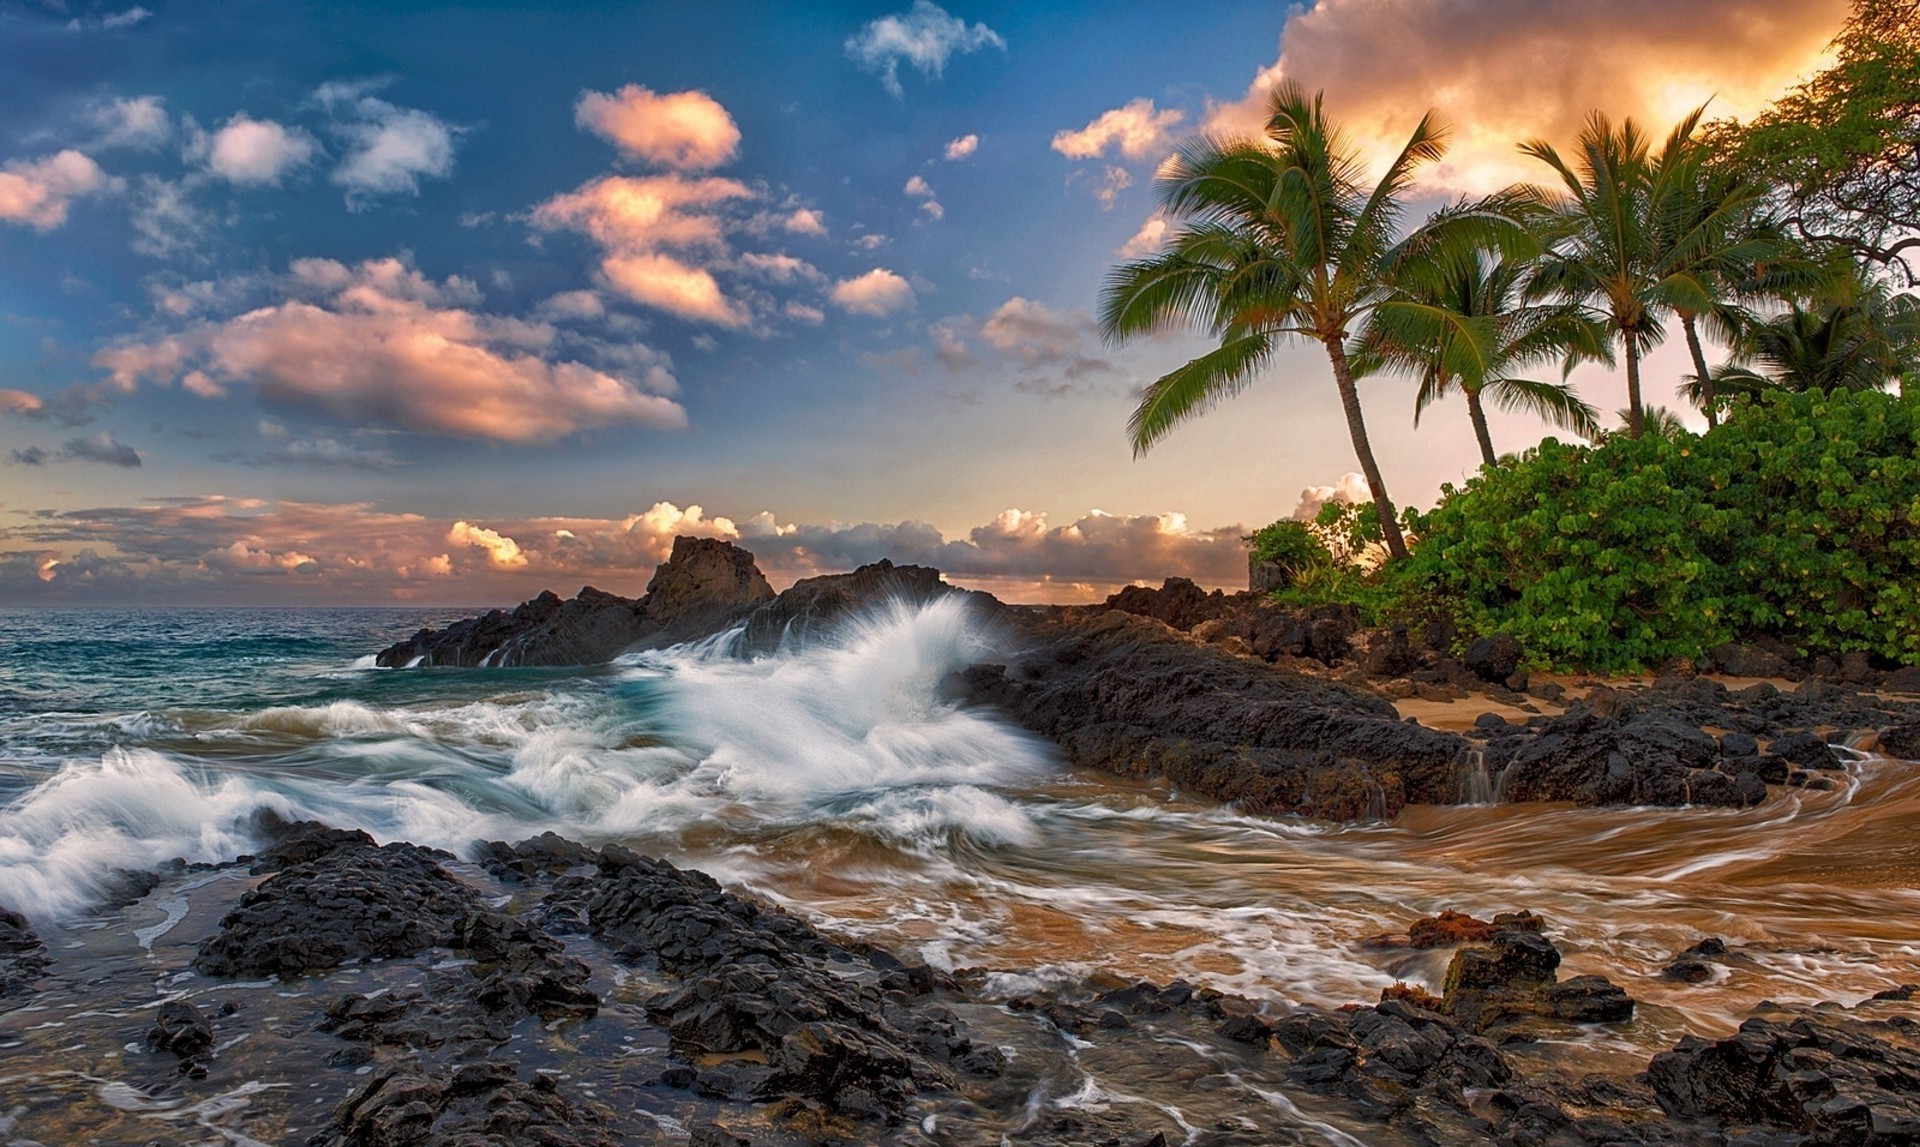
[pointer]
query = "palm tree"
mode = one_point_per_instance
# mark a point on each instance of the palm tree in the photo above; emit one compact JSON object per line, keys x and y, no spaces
{"x":1858,"y":335}
{"x":1459,"y":320}
{"x":1279,"y":239}
{"x":1623,"y":235}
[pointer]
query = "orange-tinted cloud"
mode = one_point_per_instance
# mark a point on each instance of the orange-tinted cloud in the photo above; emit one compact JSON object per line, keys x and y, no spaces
{"x":877,"y":293}
{"x":688,"y":131}
{"x":1506,"y":70}
{"x":656,"y":231}
{"x":247,"y":549}
{"x":381,"y":343}
{"x":36,"y":193}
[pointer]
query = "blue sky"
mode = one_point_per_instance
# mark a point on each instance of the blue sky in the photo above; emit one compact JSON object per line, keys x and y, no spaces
{"x":368,"y":302}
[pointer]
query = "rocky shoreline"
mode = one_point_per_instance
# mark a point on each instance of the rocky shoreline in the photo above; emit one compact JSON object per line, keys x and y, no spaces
{"x":554,"y":993}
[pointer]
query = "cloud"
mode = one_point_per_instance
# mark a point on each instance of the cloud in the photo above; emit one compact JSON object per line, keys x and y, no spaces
{"x":1507,"y":70}
{"x":918,"y":188}
{"x":1113,"y":182}
{"x":925,"y":36}
{"x":500,"y":550}
{"x":229,"y":549}
{"x":31,"y":456}
{"x":1050,"y":345}
{"x":963,"y":147}
{"x":879,"y":292}
{"x":687,"y":131}
{"x":109,"y":22}
{"x":805,"y":221}
{"x":36,"y":193}
{"x":656,"y":233}
{"x":389,"y":148}
{"x":22,"y":403}
{"x":166,"y":222}
{"x":102,"y":447}
{"x":379,"y":342}
{"x":319,"y":451}
{"x":572,"y":306}
{"x":1136,"y":130}
{"x":140,"y":123}
{"x":257,"y":152}
{"x":781,"y":268}
{"x":1349,"y":489}
{"x":1145,"y":241}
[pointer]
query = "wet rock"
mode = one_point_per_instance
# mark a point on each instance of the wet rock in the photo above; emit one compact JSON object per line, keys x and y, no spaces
{"x":815,"y":605}
{"x":1688,"y":971}
{"x":479,"y":1104}
{"x":1515,"y":979}
{"x":1451,"y":928}
{"x":1832,"y":1078}
{"x":703,"y":585}
{"x":1125,"y":694}
{"x":183,"y":1030}
{"x":1738,"y":745}
{"x":1901,"y":741}
{"x":714,"y":1135}
{"x":1494,"y":658}
{"x":23,"y":958}
{"x":352,"y":902}
{"x":1807,"y":750}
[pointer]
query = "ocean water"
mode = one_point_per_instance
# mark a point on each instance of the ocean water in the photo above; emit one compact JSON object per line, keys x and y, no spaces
{"x":836,"y":780}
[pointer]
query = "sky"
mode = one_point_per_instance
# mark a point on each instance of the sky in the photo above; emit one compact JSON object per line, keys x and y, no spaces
{"x":363,"y":304}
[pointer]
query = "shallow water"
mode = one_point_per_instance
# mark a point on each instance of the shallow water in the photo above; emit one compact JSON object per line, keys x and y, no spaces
{"x":836,"y":781}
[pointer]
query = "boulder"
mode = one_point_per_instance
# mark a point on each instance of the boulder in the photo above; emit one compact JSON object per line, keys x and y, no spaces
{"x":1495,"y":658}
{"x":1515,"y":979}
{"x":23,"y":958}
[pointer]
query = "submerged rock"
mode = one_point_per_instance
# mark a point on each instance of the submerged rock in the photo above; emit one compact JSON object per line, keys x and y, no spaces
{"x":23,"y":958}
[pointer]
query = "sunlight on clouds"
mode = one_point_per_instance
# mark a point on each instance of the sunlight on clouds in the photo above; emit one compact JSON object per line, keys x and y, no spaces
{"x":647,"y":226}
{"x":389,"y":148}
{"x":36,"y":193}
{"x":963,"y":147}
{"x":805,"y":221}
{"x":1136,"y":130}
{"x":1145,"y":241}
{"x":380,"y":342}
{"x":500,"y":550}
{"x":1507,"y":70}
{"x":683,"y":130}
{"x":877,"y":293}
{"x":257,"y":153}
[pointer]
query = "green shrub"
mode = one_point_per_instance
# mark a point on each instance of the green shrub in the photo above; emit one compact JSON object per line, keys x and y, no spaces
{"x":1799,"y":517}
{"x":1291,"y":545}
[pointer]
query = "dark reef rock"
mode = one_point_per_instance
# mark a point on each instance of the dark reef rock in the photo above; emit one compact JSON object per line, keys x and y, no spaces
{"x":814,"y":606}
{"x":1496,"y":988}
{"x":1129,"y":695}
{"x":23,"y":958}
{"x":353,"y":901}
{"x":184,"y":1030}
{"x":1494,"y":658}
{"x":1834,"y":1078}
{"x":481,"y":1104}
{"x":701,"y":588}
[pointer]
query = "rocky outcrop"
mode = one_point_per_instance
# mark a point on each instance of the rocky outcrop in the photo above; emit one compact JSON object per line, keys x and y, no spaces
{"x":816,"y":605}
{"x":1130,"y":695}
{"x":1498,"y":989}
{"x":702,"y":587}
{"x":23,"y":958}
{"x":483,"y":1104}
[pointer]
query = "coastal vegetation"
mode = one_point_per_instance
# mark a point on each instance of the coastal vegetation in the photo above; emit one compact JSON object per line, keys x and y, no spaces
{"x":1787,"y":242}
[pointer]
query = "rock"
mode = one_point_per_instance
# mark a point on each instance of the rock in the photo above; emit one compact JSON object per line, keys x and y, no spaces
{"x":1738,"y":745}
{"x":1178,"y":602}
{"x":23,"y":958}
{"x":1126,"y":694}
{"x":714,"y":1135}
{"x":1586,"y":757}
{"x":815,"y":605}
{"x":1736,"y":660}
{"x":1514,"y":979}
{"x":1489,"y":721}
{"x":1494,"y":658}
{"x":1688,"y":971}
{"x":1905,"y":679}
{"x":1390,"y":653}
{"x":703,"y":586}
{"x":1451,"y":928}
{"x":353,"y":902}
{"x":1901,"y":741}
{"x":1830,"y":1077}
{"x":478,"y":1104}
{"x":1806,"y":750}
{"x":183,"y":1030}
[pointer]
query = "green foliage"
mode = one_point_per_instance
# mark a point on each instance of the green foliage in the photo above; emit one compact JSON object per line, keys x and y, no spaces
{"x":1799,"y":517}
{"x":1291,"y":545}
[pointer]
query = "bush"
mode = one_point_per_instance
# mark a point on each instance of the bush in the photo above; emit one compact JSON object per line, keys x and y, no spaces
{"x":1799,"y":518}
{"x":1291,"y":545}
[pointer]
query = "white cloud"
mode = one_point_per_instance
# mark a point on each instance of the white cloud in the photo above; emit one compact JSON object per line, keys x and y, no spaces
{"x":500,"y":550}
{"x":1349,"y":489}
{"x":104,"y":448}
{"x":781,"y":268}
{"x":918,"y":188}
{"x":877,"y":293}
{"x":257,"y":153}
{"x":389,"y":148}
{"x":963,"y":147}
{"x":687,"y":131}
{"x":572,"y":306}
{"x":166,"y":224}
{"x":1136,"y":130}
{"x":140,"y":123}
{"x":36,"y":193}
{"x":925,"y":36}
{"x":381,"y":343}
{"x":1147,"y":240}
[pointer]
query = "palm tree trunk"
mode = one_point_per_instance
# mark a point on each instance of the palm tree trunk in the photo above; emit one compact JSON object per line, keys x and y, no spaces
{"x":1636,"y":414}
{"x":1479,"y":415}
{"x":1700,"y":367}
{"x":1357,"y":426}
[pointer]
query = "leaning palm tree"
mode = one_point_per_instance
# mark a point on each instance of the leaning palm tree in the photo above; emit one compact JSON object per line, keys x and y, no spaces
{"x":1857,"y":335}
{"x":1620,"y":233}
{"x":1458,"y":320}
{"x":1279,"y":239}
